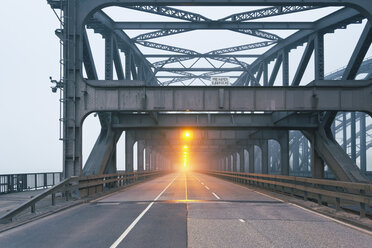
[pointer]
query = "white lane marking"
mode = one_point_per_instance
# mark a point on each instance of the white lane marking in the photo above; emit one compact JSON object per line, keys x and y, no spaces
{"x":206,"y":187}
{"x":125,"y":233}
{"x":108,"y":203}
{"x":272,"y":197}
{"x":216,"y":195}
{"x":333,"y":219}
{"x":241,"y":220}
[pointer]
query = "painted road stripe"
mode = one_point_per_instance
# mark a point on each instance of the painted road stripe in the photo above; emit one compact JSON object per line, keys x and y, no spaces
{"x":268,"y":196}
{"x":206,"y":187}
{"x":322,"y":215}
{"x":125,"y":233}
{"x":332,"y":219}
{"x":241,"y":220}
{"x":216,"y":195}
{"x":108,"y":203}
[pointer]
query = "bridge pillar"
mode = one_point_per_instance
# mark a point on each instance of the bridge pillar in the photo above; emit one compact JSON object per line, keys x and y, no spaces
{"x":102,"y":158}
{"x":129,"y":143}
{"x":152,"y":159}
{"x":140,"y":148}
{"x":251,"y":159}
{"x":241,"y":160}
{"x":296,"y":153}
{"x":147,"y":158}
{"x":234,"y":161}
{"x":363,"y":151}
{"x":318,"y":165}
{"x":284,"y":153}
{"x":265,"y":156}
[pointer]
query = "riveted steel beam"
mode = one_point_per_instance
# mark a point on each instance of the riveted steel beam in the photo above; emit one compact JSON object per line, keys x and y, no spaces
{"x":214,"y":25}
{"x":320,"y":96}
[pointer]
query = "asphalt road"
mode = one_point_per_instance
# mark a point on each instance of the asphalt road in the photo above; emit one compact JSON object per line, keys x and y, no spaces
{"x":185,"y":210}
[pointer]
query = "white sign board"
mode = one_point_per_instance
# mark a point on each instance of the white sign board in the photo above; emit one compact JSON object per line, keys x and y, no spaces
{"x":220,"y":81}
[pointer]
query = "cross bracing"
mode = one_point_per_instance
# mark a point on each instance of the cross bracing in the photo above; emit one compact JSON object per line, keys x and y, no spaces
{"x":164,"y":56}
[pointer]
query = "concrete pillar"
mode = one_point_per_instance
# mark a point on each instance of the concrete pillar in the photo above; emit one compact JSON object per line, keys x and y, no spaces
{"x":251,"y":159}
{"x":265,"y":156}
{"x":284,"y":153}
{"x":140,"y":148}
{"x":241,"y":160}
{"x":129,"y":142}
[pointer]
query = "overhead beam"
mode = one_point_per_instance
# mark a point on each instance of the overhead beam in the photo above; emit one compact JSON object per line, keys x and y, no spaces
{"x":266,"y":12}
{"x":241,"y":121}
{"x":167,"y":32}
{"x":202,"y":69}
{"x":202,"y":55}
{"x":170,"y":12}
{"x":217,"y":25}
{"x":320,"y":96}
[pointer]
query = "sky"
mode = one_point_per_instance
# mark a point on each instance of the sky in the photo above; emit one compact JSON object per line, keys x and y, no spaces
{"x":29,"y":54}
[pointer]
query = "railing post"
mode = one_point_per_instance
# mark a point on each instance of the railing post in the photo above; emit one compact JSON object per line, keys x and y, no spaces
{"x":362,"y":205}
{"x":338,"y":204}
{"x":35,"y":181}
{"x":53,"y":199}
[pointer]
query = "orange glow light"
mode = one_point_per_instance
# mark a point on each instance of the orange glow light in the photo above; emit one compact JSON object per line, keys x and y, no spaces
{"x":187,"y":135}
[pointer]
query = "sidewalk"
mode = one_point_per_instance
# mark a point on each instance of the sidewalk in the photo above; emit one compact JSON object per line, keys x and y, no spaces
{"x":12,"y":200}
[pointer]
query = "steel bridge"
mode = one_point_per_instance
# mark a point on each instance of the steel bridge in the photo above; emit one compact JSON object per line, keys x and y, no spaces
{"x":262,"y":128}
{"x":141,"y":96}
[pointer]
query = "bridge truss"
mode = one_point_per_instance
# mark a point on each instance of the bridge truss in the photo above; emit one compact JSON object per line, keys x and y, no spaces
{"x":154,"y":96}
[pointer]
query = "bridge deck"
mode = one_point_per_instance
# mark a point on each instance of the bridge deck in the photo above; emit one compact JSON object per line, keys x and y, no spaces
{"x":190,"y":210}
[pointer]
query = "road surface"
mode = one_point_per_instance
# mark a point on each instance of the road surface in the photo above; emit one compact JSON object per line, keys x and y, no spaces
{"x":185,"y":210}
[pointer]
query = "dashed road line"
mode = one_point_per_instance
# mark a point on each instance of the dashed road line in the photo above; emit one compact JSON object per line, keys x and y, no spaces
{"x":206,"y":187}
{"x":241,"y":220}
{"x":215,"y":195}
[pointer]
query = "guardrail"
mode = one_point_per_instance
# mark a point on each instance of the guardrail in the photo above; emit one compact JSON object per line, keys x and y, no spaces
{"x":10,"y":183}
{"x":81,"y":187}
{"x":329,"y":192}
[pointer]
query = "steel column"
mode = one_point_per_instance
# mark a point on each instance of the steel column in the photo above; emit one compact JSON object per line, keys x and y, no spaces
{"x":251,"y":159}
{"x":265,"y":156}
{"x":363,"y":150}
{"x":284,"y":153}
{"x":129,"y":143}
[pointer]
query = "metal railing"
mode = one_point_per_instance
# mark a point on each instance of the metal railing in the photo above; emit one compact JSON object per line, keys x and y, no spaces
{"x":81,"y":187}
{"x":327,"y":192}
{"x":10,"y":183}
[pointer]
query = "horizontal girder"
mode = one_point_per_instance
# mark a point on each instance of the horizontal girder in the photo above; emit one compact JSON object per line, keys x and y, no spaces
{"x":214,"y":25}
{"x":205,"y":120}
{"x":320,"y":96}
